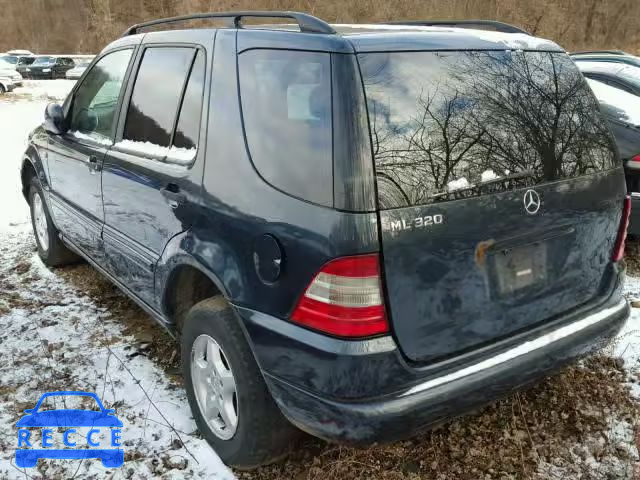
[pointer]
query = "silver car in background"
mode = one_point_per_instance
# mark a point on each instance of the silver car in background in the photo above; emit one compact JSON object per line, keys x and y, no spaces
{"x":76,"y":72}
{"x":8,"y":70}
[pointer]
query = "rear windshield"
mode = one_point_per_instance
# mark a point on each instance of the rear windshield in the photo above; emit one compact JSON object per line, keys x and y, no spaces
{"x":43,"y":60}
{"x":449,"y":125}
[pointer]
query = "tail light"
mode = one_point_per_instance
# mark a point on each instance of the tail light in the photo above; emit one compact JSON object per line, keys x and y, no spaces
{"x":345,"y":299}
{"x":636,"y":158}
{"x":618,"y":250}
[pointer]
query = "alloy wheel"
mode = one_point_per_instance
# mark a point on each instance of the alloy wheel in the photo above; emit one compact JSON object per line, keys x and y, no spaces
{"x":40,"y":222}
{"x":214,"y":386}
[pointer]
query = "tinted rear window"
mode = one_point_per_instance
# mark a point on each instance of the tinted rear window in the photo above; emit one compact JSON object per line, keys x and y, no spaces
{"x":449,"y":125}
{"x":286,"y":107}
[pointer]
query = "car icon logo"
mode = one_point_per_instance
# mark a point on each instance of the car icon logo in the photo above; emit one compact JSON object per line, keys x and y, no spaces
{"x":531,"y":202}
{"x":59,"y":422}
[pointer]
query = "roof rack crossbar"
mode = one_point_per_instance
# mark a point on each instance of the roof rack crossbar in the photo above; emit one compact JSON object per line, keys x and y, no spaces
{"x":497,"y":26}
{"x":307,"y":23}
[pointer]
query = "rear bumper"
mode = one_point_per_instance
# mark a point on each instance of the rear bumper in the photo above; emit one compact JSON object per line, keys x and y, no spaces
{"x":364,"y":392}
{"x":440,"y":398}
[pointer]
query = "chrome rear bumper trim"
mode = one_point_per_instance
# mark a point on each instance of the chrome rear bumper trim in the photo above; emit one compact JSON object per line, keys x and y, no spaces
{"x":522,"y":349}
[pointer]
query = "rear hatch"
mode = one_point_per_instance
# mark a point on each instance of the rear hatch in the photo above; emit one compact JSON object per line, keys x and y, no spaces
{"x":499,"y":193}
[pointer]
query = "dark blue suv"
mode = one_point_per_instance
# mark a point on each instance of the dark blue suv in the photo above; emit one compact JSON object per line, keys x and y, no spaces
{"x":359,"y":230}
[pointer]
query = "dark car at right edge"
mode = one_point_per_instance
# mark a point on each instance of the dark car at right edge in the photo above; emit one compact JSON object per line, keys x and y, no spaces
{"x":622,"y":111}
{"x":357,"y":230}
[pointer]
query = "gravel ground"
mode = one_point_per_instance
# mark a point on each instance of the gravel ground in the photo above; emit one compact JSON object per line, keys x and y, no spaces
{"x":70,"y":328}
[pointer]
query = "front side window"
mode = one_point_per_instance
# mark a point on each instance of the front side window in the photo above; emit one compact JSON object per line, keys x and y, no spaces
{"x":156,"y":98}
{"x":286,"y":108}
{"x":448,"y":125}
{"x":94,"y":102}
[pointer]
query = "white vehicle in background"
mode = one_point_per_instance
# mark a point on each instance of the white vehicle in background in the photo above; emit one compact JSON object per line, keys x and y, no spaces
{"x":19,"y":52}
{"x":6,"y":84}
{"x":8,"y":72}
{"x":76,"y":72}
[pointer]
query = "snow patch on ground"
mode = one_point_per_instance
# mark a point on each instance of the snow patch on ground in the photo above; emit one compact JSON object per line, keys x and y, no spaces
{"x":17,"y":120}
{"x":627,"y":345}
{"x":45,"y":89}
{"x":56,"y":338}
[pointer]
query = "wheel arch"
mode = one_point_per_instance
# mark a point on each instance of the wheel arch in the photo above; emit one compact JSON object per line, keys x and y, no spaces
{"x":32,"y":166}
{"x":187,"y":283}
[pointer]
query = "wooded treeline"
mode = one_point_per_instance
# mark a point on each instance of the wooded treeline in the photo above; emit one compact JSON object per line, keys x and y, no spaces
{"x":85,"y":26}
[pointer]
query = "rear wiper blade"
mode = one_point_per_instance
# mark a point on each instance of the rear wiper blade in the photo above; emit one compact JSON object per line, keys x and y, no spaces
{"x":482,"y":185}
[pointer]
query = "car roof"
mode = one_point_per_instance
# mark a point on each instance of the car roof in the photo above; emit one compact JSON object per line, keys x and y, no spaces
{"x":623,"y":58}
{"x":373,"y":37}
{"x":362,"y":38}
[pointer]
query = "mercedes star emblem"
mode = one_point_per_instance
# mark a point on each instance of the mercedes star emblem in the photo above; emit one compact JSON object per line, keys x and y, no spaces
{"x":531,"y":202}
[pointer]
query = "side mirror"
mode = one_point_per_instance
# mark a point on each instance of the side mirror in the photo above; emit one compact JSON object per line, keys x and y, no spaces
{"x":54,"y":119}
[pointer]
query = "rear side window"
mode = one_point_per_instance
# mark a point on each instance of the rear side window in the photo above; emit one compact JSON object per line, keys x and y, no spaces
{"x":448,"y":125}
{"x":286,"y":107}
{"x":188,"y":127}
{"x":156,"y":98}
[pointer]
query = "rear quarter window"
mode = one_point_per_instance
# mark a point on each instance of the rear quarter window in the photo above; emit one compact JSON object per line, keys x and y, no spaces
{"x":448,"y":125}
{"x":286,"y":108}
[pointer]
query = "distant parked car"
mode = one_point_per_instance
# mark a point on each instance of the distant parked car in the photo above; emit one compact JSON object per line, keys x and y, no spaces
{"x":616,"y":56}
{"x":7,"y":70}
{"x":6,"y":84}
{"x":50,"y":67}
{"x":77,"y":71}
{"x":619,"y":75}
{"x":23,"y":65}
{"x":622,"y":110}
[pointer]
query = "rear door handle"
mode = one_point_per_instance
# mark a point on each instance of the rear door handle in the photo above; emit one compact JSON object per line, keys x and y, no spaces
{"x":94,"y":164}
{"x":173,"y":195}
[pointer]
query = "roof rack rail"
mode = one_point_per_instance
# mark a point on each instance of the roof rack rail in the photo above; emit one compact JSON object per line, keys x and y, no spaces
{"x":596,"y":52}
{"x":497,"y":26}
{"x":307,"y":23}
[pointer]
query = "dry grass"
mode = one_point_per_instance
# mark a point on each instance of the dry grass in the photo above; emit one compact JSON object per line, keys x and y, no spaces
{"x":555,"y":422}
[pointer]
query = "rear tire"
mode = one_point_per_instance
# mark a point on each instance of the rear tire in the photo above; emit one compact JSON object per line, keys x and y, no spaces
{"x":51,"y":250}
{"x":261,"y":434}
{"x":2,"y":90}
